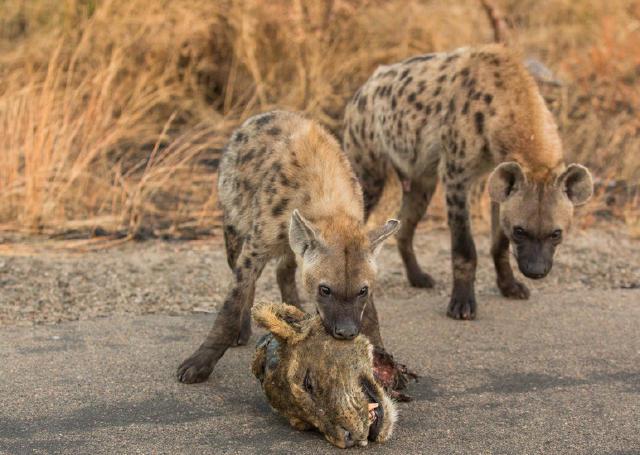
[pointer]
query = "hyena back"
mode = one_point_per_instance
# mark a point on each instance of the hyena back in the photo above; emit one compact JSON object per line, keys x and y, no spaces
{"x":287,"y":192}
{"x":454,"y":117}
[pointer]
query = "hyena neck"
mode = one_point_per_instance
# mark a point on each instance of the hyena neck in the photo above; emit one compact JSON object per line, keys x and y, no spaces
{"x":329,"y":180}
{"x":538,"y":148}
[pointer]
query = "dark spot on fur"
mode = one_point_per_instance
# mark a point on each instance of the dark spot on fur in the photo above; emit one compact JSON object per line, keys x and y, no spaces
{"x":284,"y":181}
{"x":438,"y":107}
{"x":419,"y":58}
{"x":479,"y":121}
{"x":485,"y":152}
{"x":442,"y":78}
{"x":437,"y":91}
{"x":275,"y":167}
{"x":412,"y":97}
{"x":404,"y":74}
{"x":362,"y":103}
{"x":245,"y":158}
{"x":419,"y":106}
{"x":488,"y":98}
{"x":274,"y":131}
{"x":240,"y":137}
{"x":264,"y":120}
{"x":393,"y":102}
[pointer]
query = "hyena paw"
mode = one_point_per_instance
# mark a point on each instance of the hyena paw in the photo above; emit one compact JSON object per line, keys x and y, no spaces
{"x":462,"y":307}
{"x":243,"y":337}
{"x":196,"y":368}
{"x":514,"y":289}
{"x":421,"y":280}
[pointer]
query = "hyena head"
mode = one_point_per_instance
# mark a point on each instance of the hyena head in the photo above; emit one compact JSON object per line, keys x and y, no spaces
{"x":317,"y":381}
{"x":535,"y":214}
{"x":337,"y":260}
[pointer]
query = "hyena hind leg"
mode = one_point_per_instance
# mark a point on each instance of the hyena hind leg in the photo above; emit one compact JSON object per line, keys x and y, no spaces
{"x":414,"y":205}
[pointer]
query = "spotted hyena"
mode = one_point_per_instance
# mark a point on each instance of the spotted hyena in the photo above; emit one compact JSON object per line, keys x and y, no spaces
{"x":457,"y":117}
{"x":287,"y":192}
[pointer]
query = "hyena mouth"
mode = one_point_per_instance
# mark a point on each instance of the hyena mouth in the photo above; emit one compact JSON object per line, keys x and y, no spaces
{"x":376,"y":411}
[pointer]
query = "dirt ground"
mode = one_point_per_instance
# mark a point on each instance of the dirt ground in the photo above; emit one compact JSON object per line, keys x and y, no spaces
{"x":556,"y":374}
{"x":39,"y":284}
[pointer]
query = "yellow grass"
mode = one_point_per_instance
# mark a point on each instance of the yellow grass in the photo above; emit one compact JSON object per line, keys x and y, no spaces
{"x":113,"y":113}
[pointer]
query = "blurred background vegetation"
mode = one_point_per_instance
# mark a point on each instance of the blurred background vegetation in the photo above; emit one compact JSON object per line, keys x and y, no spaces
{"x":113,"y":113}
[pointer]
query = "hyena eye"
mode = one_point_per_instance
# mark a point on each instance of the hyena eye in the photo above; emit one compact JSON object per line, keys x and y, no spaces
{"x":364,"y":291}
{"x":519,"y":233}
{"x":306,"y":383}
{"x":324,"y":291}
{"x":556,"y":235}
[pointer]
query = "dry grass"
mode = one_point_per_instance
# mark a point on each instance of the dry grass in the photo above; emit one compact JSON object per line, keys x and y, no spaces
{"x":112,"y":113}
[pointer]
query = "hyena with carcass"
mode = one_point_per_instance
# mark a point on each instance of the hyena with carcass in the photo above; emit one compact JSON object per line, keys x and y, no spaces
{"x":288,"y":193}
{"x":457,"y":117}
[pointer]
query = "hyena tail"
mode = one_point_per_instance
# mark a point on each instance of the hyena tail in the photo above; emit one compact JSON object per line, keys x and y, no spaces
{"x":389,"y":198}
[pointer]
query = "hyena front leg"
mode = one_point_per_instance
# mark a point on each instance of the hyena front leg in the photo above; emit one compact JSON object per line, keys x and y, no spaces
{"x":463,"y":253}
{"x":286,"y":276}
{"x":508,"y":285}
{"x":414,"y":205}
{"x":230,"y":326}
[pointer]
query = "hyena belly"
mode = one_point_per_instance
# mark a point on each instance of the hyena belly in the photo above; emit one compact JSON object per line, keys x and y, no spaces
{"x":453,"y":117}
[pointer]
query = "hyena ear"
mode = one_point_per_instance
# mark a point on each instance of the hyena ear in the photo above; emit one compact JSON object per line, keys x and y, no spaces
{"x":577,"y":183}
{"x":379,"y":235}
{"x":303,"y":236}
{"x":286,"y":322}
{"x":505,"y":179}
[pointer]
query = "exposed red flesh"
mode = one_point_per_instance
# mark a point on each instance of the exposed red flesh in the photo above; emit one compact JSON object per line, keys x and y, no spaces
{"x":393,"y":376}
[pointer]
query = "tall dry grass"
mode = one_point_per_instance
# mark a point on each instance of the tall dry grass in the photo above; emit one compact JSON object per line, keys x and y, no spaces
{"x":112,"y":113}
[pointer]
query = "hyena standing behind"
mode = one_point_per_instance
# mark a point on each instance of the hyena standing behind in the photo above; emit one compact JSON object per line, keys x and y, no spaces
{"x":456,"y":116}
{"x":288,"y":192}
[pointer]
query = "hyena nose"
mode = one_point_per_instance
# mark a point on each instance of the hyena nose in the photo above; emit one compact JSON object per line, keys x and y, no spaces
{"x":345,"y":331}
{"x":536,"y":271}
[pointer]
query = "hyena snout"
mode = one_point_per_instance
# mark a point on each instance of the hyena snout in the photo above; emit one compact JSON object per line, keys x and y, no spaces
{"x":345,"y":330}
{"x":535,"y":260}
{"x":342,"y":320}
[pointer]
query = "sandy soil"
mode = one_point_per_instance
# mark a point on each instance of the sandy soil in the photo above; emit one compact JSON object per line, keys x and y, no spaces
{"x":48,"y":286}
